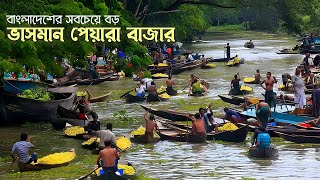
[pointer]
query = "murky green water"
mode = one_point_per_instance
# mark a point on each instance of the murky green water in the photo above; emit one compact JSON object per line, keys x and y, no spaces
{"x":171,"y":160}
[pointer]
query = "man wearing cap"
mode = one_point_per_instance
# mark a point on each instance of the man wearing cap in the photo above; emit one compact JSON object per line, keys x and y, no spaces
{"x":151,"y":125}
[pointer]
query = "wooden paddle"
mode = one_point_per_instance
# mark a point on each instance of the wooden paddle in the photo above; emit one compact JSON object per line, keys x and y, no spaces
{"x":126,"y":93}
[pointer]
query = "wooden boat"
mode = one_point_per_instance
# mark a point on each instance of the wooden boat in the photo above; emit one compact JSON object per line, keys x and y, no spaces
{"x":101,"y":98}
{"x":171,"y":115}
{"x":248,"y":45}
{"x":232,"y":99}
{"x":142,"y":139}
{"x":219,"y":59}
{"x":299,"y":138}
{"x":171,"y":92}
{"x":204,"y":83}
{"x":296,"y":131}
{"x":19,"y":110}
{"x":281,"y":117}
{"x":188,"y":67}
{"x":267,"y":153}
{"x":174,"y":135}
{"x":238,"y":135}
{"x":110,"y":176}
{"x":208,"y":66}
{"x":289,"y":52}
{"x":132,"y":99}
{"x":37,"y":167}
{"x":91,"y":81}
{"x":66,"y":113}
{"x":14,"y":86}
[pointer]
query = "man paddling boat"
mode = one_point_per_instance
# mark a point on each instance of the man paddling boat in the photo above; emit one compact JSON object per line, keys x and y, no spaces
{"x":198,"y":88}
{"x":109,"y":158}
{"x":270,"y":96}
{"x":263,"y":139}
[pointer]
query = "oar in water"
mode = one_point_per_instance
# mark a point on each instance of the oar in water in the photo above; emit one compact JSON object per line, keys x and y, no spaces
{"x":126,"y":93}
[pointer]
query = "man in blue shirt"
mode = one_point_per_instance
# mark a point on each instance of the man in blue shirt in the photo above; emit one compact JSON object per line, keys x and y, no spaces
{"x":263,"y":139}
{"x":22,"y":149}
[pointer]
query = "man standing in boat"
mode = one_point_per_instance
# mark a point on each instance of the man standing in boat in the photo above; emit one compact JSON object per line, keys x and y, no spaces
{"x":151,"y":125}
{"x":228,"y":51}
{"x":269,"y":96}
{"x":21,"y":148}
{"x":298,"y":86}
{"x":169,"y":84}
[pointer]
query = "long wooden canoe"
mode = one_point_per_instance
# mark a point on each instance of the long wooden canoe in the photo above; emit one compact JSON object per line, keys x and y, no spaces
{"x":132,"y":99}
{"x":37,"y":167}
{"x":180,"y":136}
{"x":299,"y":138}
{"x":142,"y":139}
{"x":265,"y":153}
{"x":101,"y":98}
{"x":19,"y":110}
{"x":171,"y":115}
{"x":238,"y":135}
{"x":232,"y":99}
{"x":296,"y":131}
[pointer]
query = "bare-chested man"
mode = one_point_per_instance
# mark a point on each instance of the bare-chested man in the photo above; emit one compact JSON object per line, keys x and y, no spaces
{"x":109,"y":157}
{"x":257,"y":76}
{"x":169,"y":84}
{"x":270,"y":97}
{"x":151,"y":125}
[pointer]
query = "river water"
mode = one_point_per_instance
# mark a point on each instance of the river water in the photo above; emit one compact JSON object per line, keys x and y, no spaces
{"x":174,"y":160}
